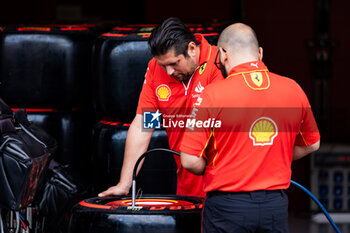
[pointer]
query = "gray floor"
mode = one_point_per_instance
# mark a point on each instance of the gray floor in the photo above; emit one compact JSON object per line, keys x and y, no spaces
{"x":303,"y":223}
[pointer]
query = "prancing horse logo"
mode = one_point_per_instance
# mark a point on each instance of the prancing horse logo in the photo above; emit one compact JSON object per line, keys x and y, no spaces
{"x":257,"y":78}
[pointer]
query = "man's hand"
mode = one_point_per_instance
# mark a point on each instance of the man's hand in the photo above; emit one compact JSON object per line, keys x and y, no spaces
{"x":137,"y":141}
{"x":117,"y":190}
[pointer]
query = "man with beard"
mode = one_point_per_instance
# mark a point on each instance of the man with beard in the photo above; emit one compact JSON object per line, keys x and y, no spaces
{"x":266,"y":123}
{"x":183,"y":65}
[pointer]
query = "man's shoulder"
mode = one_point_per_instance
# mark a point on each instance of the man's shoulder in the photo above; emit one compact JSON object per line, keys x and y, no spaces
{"x":155,"y":70}
{"x":283,"y":80}
{"x":215,"y":87}
{"x":152,"y":63}
{"x":288,"y":86}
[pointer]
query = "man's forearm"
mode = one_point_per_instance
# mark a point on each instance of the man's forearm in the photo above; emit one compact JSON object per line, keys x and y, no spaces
{"x":136,"y":144}
{"x":193,"y":164}
{"x":301,"y":151}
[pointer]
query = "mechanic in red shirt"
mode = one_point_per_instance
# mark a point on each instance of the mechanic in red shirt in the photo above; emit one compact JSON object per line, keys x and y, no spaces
{"x":183,"y":65}
{"x":263,"y":121}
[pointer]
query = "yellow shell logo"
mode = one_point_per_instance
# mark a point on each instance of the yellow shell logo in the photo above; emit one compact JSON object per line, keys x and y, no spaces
{"x":202,"y":68}
{"x":263,"y":131}
{"x":163,"y":92}
{"x":257,"y":78}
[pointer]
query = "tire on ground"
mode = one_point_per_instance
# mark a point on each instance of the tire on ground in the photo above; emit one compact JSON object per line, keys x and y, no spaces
{"x":152,"y":213}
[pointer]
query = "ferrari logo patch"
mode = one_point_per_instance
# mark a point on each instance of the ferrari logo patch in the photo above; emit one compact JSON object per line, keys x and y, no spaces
{"x":257,"y":78}
{"x":202,"y":68}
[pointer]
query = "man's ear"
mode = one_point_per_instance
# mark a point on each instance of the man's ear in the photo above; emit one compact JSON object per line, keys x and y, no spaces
{"x":260,"y":53}
{"x":191,"y":49}
{"x":223,"y":56}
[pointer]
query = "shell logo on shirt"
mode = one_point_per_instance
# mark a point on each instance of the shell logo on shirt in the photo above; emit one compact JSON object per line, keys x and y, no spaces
{"x":263,"y":131}
{"x":257,"y":78}
{"x":163,"y":92}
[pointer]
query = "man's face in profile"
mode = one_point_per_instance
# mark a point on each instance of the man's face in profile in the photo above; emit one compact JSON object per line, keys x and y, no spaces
{"x":180,"y":67}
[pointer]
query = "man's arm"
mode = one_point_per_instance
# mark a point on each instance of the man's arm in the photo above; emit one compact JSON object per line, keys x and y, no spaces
{"x":137,"y":141}
{"x":193,"y":164}
{"x":301,"y":151}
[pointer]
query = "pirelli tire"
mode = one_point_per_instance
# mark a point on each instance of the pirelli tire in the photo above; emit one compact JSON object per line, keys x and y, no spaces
{"x":152,"y":213}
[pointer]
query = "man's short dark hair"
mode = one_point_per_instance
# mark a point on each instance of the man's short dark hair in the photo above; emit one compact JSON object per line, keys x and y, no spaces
{"x":172,"y":33}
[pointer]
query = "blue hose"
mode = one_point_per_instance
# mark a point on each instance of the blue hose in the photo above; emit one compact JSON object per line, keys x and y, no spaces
{"x":318,"y":203}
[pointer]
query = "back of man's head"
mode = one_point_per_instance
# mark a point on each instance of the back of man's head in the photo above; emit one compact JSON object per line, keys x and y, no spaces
{"x":172,"y":33}
{"x":240,"y":41}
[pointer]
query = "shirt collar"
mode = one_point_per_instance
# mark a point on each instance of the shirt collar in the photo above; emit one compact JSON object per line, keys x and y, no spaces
{"x":205,"y":49}
{"x":248,"y":67}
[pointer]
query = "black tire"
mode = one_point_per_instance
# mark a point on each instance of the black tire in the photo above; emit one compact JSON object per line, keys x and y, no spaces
{"x":72,"y":130}
{"x":117,"y":57}
{"x":158,"y":173}
{"x":167,"y":213}
{"x":46,"y":68}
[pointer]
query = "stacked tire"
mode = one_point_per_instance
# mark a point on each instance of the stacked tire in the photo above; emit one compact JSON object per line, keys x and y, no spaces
{"x":158,"y":173}
{"x":47,"y":71}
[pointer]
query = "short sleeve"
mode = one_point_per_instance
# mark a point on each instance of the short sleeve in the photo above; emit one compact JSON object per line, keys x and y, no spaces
{"x":308,"y":132}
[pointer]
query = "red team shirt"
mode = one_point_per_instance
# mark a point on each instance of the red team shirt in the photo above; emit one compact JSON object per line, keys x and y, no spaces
{"x":262,"y":115}
{"x":173,"y":98}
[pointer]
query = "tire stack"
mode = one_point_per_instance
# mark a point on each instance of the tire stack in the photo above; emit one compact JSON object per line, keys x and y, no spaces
{"x":47,"y":71}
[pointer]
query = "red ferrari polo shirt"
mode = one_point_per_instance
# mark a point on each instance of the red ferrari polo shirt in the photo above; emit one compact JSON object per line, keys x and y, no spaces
{"x":173,"y":99}
{"x":256,"y":117}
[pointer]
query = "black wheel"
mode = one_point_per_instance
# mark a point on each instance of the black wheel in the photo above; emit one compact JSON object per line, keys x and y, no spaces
{"x":152,"y":213}
{"x":158,"y":172}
